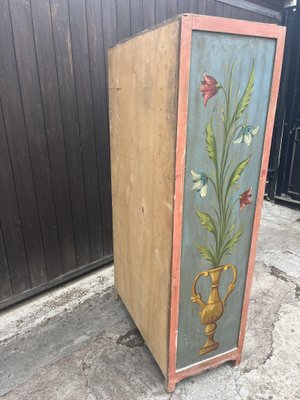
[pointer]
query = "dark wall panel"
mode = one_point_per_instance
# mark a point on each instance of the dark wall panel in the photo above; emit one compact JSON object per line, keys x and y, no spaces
{"x":55,"y":203}
{"x":13,"y":116}
{"x":70,"y":120}
{"x":34,"y":118}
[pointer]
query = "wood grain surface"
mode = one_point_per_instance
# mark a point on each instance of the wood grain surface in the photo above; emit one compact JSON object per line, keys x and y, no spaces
{"x":143,"y":113}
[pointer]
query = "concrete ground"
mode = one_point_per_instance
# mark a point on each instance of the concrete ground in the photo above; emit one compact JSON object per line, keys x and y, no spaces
{"x":78,"y":342}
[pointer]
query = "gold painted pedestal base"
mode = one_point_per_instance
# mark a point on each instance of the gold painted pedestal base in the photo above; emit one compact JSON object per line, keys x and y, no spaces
{"x":210,"y":344}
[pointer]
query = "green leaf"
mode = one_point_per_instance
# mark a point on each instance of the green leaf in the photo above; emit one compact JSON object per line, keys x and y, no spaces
{"x":211,"y":143}
{"x":223,"y":114}
{"x":237,"y":172}
{"x":205,"y":253}
{"x":208,"y":222}
{"x":245,"y":99}
{"x":230,"y":229}
{"x":234,"y":240}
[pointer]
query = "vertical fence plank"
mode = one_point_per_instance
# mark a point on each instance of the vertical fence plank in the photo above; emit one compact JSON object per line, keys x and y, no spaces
{"x":109,"y":21}
{"x":33,"y":112}
{"x":192,"y":6}
{"x":6,"y":290}
{"x":211,"y":7}
{"x":68,"y":99}
{"x":99,"y":94}
{"x":202,"y":4}
{"x":80,"y":47}
{"x":53,"y":121}
{"x":160,"y":11}
{"x":10,"y":222}
{"x":17,"y":140}
{"x":219,"y":9}
{"x":148,"y":13}
{"x":123,"y":19}
{"x":227,"y":11}
{"x":171,"y":8}
{"x":182,"y":6}
{"x":235,"y":12}
{"x":136,"y":16}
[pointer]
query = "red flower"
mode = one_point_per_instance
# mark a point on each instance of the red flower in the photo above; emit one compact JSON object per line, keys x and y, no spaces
{"x":245,"y":198}
{"x":209,"y":88}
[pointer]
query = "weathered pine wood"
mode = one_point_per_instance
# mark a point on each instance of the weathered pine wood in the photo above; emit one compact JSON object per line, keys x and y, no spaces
{"x":68,"y":102}
{"x":13,"y":115}
{"x":33,"y":113}
{"x":143,"y":151}
{"x":42,"y":24}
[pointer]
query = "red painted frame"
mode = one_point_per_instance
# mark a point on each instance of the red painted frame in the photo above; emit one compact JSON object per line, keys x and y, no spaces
{"x":189,"y":23}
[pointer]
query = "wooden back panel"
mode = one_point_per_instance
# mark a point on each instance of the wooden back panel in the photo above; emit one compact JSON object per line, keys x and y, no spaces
{"x":143,"y":84}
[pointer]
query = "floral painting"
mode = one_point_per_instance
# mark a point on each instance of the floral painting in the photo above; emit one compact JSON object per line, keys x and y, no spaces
{"x":223,"y":223}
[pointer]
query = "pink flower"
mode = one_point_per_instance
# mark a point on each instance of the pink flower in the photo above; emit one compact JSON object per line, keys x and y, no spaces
{"x":245,"y":198}
{"x":209,"y":88}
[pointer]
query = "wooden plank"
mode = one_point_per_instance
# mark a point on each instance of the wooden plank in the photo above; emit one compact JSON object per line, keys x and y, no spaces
{"x":19,"y":149}
{"x":160,"y":11}
{"x":80,"y":48}
{"x":109,"y":21}
{"x":192,"y":6}
{"x":136,"y":16}
{"x":68,"y":98}
{"x":182,"y":113}
{"x":6,"y":290}
{"x":33,"y":113}
{"x":211,"y":7}
{"x":171,"y":8}
{"x":235,"y":12}
{"x":11,"y":227}
{"x":219,"y":9}
{"x":227,"y":11}
{"x":143,"y":127}
{"x":182,"y":6}
{"x":123,"y":19}
{"x":99,"y":93}
{"x":148,"y":13}
{"x":42,"y":25}
{"x":202,"y":4}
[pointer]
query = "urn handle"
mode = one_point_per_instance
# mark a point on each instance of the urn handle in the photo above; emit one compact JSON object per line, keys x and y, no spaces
{"x":196,"y":297}
{"x":232,"y":284}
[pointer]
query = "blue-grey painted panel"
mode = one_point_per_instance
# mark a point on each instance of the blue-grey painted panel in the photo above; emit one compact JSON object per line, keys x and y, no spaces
{"x":215,"y":54}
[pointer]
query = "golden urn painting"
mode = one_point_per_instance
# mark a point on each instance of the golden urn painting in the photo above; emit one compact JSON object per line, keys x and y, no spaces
{"x":223,"y":223}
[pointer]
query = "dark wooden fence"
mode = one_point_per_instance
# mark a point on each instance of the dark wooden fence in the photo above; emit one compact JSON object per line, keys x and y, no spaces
{"x":55,"y":210}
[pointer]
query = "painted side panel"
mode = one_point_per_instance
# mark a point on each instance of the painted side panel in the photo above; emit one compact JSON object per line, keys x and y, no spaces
{"x":214,"y":54}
